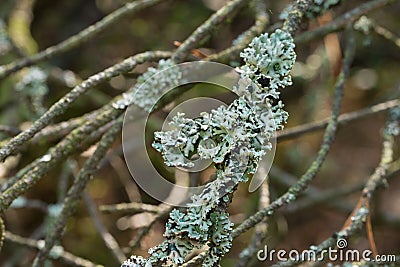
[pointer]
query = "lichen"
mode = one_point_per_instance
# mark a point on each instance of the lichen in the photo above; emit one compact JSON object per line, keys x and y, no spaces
{"x":363,"y":24}
{"x":33,"y":85}
{"x":393,"y":125}
{"x":148,"y":89}
{"x":318,"y":8}
{"x":234,"y":137}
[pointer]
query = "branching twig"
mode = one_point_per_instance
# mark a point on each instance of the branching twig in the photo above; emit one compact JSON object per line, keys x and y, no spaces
{"x":297,"y":131}
{"x":131,"y":208}
{"x":65,"y":256}
{"x":78,"y":140}
{"x":79,"y":38}
{"x":358,"y":217}
{"x":74,"y":193}
{"x":203,"y":30}
{"x":341,"y":22}
{"x":109,"y":240}
{"x":261,"y":21}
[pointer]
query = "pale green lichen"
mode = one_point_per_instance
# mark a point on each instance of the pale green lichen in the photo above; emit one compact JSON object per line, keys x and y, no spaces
{"x":149,"y":89}
{"x":234,"y":138}
{"x":5,"y":44}
{"x":318,"y":8}
{"x":33,"y":85}
{"x":363,"y":24}
{"x":393,"y":126}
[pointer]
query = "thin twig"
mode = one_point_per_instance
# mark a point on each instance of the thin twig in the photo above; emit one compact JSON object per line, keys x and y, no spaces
{"x":74,"y":193}
{"x":135,"y":243}
{"x":385,"y":33}
{"x":109,"y":240}
{"x":261,"y":21}
{"x":204,"y":30}
{"x":315,"y":196}
{"x":298,"y":131}
{"x":341,"y":22}
{"x":260,"y":231}
{"x":65,"y":102}
{"x":131,"y":208}
{"x":358,"y":217}
{"x":79,"y":38}
{"x":77,"y":141}
{"x":65,"y":256}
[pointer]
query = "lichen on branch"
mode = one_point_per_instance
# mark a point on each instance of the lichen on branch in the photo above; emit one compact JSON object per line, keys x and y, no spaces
{"x":234,"y":138}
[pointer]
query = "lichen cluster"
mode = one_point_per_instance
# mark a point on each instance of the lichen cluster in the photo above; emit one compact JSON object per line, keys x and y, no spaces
{"x":151,"y":86}
{"x":364,"y":25}
{"x":318,"y":8}
{"x":393,"y":127}
{"x":234,"y":138}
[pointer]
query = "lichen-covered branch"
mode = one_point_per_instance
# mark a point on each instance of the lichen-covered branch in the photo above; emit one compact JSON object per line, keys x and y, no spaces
{"x":328,"y":138}
{"x":359,"y":215}
{"x":78,"y":140}
{"x":79,"y":38}
{"x":296,"y":15}
{"x":131,"y":208}
{"x":232,"y":52}
{"x":65,"y":102}
{"x":235,"y":138}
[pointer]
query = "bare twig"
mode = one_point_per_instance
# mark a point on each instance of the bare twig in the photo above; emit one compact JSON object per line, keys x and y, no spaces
{"x":261,"y":21}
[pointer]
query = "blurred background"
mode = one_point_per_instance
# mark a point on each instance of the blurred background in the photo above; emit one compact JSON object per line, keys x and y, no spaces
{"x":356,"y":151}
